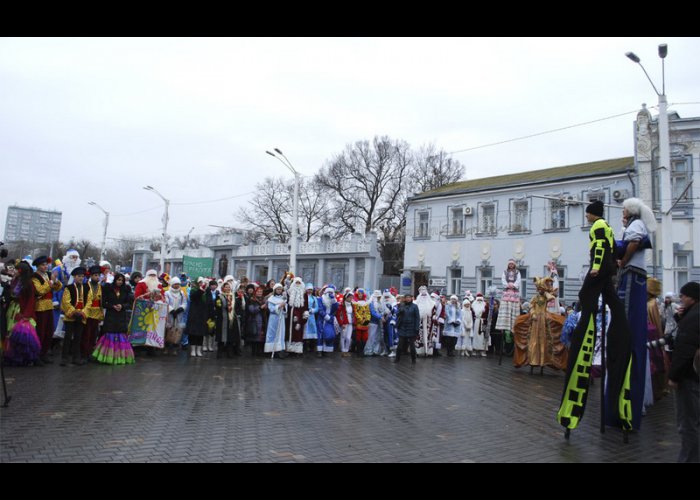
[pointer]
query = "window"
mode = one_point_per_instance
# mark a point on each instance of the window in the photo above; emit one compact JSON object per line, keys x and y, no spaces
{"x":592,"y":196}
{"x":485,"y":279}
{"x":520,"y":216}
{"x":680,"y":269}
{"x":681,"y":172}
{"x":523,"y":281}
{"x":557,"y":214}
{"x":487,"y":218}
{"x":423,"y":224}
{"x":456,"y":282}
{"x":680,"y":177}
{"x":456,"y":215}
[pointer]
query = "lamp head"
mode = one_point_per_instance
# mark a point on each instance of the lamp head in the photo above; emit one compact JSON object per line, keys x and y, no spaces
{"x":280,"y":152}
{"x":271,"y":154}
{"x":632,"y":56}
{"x":663,"y":50}
{"x":91,"y":203}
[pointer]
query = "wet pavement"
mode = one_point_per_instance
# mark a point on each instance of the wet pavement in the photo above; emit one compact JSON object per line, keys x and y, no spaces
{"x":331,"y":409}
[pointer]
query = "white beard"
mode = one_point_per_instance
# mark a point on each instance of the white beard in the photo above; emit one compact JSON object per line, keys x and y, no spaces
{"x":425,"y":305}
{"x":152,"y":283}
{"x":328,"y":301}
{"x":478,"y":306}
{"x":296,"y":295}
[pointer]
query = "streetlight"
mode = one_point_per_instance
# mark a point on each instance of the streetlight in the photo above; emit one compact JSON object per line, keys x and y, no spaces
{"x":104,"y":234}
{"x":295,"y":211}
{"x":165,"y":226}
{"x":665,"y":191}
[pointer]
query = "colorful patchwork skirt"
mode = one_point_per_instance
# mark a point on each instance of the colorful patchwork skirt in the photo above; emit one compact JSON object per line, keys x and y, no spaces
{"x":114,"y":349}
{"x":22,"y":346}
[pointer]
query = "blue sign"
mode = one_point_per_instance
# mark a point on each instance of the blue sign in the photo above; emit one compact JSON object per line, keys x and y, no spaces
{"x":406,"y":281}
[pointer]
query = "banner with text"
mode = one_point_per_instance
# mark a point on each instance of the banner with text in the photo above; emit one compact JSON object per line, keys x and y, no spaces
{"x":197,"y":266}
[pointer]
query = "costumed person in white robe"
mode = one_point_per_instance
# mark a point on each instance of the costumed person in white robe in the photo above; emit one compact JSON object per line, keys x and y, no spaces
{"x":453,"y":324}
{"x":346,"y":320}
{"x":464,"y":342}
{"x":481,"y":312}
{"x":389,"y":310}
{"x":177,"y":316}
{"x":277,"y":306}
{"x":426,"y":308}
{"x":298,"y":315}
{"x":375,"y":343}
{"x":326,"y":325}
{"x":311,"y":328}
{"x":438,"y":322}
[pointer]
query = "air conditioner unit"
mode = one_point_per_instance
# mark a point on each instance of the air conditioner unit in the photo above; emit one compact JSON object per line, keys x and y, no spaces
{"x":620,"y":195}
{"x":572,"y":198}
{"x":468,"y":211}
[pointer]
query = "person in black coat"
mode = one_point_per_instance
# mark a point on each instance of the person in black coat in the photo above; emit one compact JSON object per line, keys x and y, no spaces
{"x":407,"y":326}
{"x":197,"y":318}
{"x":113,"y":347}
{"x":683,"y":376}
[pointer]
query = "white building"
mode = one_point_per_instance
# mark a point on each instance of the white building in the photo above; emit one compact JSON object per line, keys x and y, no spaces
{"x":352,"y":261}
{"x":460,"y":237}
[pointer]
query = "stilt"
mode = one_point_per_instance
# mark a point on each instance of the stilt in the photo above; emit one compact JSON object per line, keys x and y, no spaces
{"x":567,"y":433}
{"x":7,"y":398}
{"x":625,"y":436}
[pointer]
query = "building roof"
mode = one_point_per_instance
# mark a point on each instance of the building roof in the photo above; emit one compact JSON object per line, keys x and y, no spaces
{"x":544,"y":176}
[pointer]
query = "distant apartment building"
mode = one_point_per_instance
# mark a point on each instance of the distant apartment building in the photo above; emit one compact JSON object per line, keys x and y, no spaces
{"x":32,"y":224}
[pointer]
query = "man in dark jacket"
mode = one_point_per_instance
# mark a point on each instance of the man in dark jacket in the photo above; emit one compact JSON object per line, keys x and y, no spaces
{"x":407,"y":325}
{"x":683,"y":377}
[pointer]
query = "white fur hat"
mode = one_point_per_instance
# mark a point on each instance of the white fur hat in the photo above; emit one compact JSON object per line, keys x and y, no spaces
{"x":174,"y":281}
{"x":152,"y":272}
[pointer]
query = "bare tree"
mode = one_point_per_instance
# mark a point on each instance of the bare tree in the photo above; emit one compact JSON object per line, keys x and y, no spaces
{"x":365,"y":181}
{"x":433,"y":168}
{"x":270,"y":210}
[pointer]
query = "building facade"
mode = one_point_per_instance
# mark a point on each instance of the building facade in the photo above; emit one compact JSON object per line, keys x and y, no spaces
{"x":460,"y":237}
{"x":32,"y":224}
{"x":354,"y":261}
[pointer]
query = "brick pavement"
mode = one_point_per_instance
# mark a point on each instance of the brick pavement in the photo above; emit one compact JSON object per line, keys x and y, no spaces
{"x":177,"y":409}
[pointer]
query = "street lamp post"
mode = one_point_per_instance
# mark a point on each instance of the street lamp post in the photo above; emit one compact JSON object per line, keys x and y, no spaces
{"x":665,"y":191}
{"x":165,"y":227}
{"x":104,"y":234}
{"x":295,"y":210}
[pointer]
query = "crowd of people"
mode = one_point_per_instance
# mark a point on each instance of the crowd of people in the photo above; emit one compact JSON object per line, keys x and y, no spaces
{"x":88,"y":313}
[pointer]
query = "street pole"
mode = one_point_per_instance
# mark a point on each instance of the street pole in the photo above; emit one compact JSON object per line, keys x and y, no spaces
{"x":164,"y":239}
{"x":104,"y":233}
{"x":295,"y":227}
{"x":664,"y":168}
{"x":295,"y":210}
{"x":666,"y":194}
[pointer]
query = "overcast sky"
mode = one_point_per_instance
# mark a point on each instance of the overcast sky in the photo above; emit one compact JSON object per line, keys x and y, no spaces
{"x":97,"y":119}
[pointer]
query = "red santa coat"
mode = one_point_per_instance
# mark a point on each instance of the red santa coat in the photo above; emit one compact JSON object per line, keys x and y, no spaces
{"x":295,"y":322}
{"x":142,"y":289}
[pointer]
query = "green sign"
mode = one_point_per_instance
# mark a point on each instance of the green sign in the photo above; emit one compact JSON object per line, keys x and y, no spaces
{"x":197,"y":266}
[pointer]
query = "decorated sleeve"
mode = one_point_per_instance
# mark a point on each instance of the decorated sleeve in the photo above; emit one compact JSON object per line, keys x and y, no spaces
{"x":66,"y":305}
{"x":41,"y":289}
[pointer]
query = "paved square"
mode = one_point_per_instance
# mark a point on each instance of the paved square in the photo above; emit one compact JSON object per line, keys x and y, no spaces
{"x":331,"y":409}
